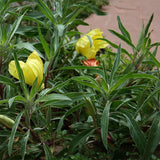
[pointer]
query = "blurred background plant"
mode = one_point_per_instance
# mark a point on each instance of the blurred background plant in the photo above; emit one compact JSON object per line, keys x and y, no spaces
{"x":109,"y":111}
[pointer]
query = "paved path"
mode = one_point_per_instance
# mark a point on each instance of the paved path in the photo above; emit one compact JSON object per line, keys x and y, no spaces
{"x":132,"y":13}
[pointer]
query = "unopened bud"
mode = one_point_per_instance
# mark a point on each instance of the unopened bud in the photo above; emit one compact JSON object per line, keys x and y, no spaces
{"x":8,"y":122}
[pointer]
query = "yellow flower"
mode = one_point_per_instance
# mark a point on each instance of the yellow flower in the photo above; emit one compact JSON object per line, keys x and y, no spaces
{"x":32,"y":69}
{"x":83,"y":45}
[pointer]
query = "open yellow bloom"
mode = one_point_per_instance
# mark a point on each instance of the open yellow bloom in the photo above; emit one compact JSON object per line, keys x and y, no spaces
{"x":83,"y":44}
{"x":32,"y":69}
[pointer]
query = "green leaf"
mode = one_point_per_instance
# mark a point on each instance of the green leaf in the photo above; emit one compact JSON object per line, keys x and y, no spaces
{"x":80,"y":138}
{"x":153,"y":138}
{"x":135,"y":132}
{"x":6,"y":80}
{"x":61,"y":29}
{"x":29,"y":47}
{"x":123,"y":38}
{"x":46,"y":11}
{"x":69,"y":18}
{"x":34,"y":89}
{"x":78,"y":67}
{"x":24,"y":144}
{"x":44,"y":43}
{"x":14,"y":27}
{"x":105,"y":123}
{"x":28,"y":18}
{"x":141,"y":39}
{"x":90,"y":107}
{"x":21,"y":76}
{"x":70,"y":111}
{"x":123,"y":29}
{"x":116,"y":46}
{"x":13,"y":132}
{"x":116,"y":64}
{"x":92,"y":8}
{"x":96,"y":10}
{"x":16,"y":98}
{"x":88,"y":81}
{"x":90,"y":40}
{"x":131,"y":76}
{"x":53,"y":97}
{"x":153,"y":93}
{"x":148,"y":25}
{"x":156,"y":62}
{"x":48,"y":115}
{"x":3,"y":101}
{"x":48,"y":152}
{"x":78,"y":96}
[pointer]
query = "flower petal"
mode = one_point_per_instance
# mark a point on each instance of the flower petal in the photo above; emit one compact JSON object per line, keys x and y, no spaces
{"x":32,"y":69}
{"x":98,"y":44}
{"x":83,"y":44}
{"x":36,"y":64}
{"x":29,"y":76}
{"x":91,"y":62}
{"x":83,"y":47}
{"x":12,"y":68}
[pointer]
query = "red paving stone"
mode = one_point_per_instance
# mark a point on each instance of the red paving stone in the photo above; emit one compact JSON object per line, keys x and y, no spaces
{"x":133,"y":14}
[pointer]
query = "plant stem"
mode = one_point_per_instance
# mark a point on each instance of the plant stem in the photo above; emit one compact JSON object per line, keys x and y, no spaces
{"x":1,"y":87}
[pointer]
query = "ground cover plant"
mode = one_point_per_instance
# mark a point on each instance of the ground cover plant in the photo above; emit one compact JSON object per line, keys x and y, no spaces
{"x":66,"y":95}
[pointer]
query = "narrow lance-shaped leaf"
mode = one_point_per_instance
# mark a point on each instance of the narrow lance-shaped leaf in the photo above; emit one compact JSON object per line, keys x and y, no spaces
{"x":70,"y":111}
{"x":44,"y":43}
{"x":27,"y":17}
{"x":6,"y":80}
{"x":123,"y":29}
{"x":135,"y":132}
{"x":141,"y":39}
{"x":116,"y":46}
{"x":156,"y":62}
{"x":105,"y":78}
{"x":90,"y":107}
{"x":21,"y":76}
{"x":88,"y":81}
{"x":13,"y":132}
{"x":14,"y":28}
{"x":53,"y":97}
{"x":69,"y":19}
{"x":24,"y":144}
{"x":80,"y":138}
{"x":96,"y":10}
{"x":153,"y":138}
{"x":148,"y":24}
{"x":116,"y":63}
{"x":90,"y":40}
{"x":48,"y":152}
{"x":46,"y":11}
{"x":132,"y":76}
{"x":154,"y":92}
{"x":33,"y":89}
{"x":122,"y":37}
{"x":105,"y":124}
{"x":16,"y":98}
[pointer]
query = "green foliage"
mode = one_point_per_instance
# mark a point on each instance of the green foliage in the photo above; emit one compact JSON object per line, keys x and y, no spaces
{"x":82,"y":112}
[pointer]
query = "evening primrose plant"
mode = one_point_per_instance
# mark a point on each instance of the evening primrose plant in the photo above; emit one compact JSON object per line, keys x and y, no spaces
{"x":55,"y":104}
{"x":30,"y":111}
{"x":122,"y":109}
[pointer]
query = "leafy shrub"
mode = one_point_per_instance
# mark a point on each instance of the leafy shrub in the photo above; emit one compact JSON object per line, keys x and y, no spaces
{"x":106,"y":107}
